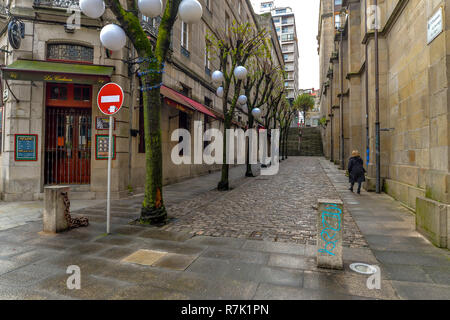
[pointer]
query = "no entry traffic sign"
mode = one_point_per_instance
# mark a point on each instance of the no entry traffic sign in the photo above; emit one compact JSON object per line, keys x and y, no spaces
{"x":110,"y":99}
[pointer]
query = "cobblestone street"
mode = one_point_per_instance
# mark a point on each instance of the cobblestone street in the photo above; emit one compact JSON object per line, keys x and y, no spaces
{"x":274,"y":208}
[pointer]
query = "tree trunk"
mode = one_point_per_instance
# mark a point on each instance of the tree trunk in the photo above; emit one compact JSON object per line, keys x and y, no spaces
{"x":224,"y":183}
{"x":153,"y":209}
{"x":286,"y":137}
{"x":249,"y":172}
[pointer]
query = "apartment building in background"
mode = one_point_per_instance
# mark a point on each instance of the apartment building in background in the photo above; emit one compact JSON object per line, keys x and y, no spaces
{"x":284,"y":20}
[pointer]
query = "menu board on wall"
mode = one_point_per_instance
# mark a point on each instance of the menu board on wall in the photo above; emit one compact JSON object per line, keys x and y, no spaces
{"x":102,"y":123}
{"x":102,"y":147}
{"x":25,"y":147}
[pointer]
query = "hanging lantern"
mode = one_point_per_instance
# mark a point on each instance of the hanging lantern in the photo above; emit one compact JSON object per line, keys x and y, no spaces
{"x":113,"y":37}
{"x":92,"y":8}
{"x":240,"y":73}
{"x":242,"y":99}
{"x":220,"y":92}
{"x":150,"y":8}
{"x":217,"y":76}
{"x":256,"y":112}
{"x":190,"y":11}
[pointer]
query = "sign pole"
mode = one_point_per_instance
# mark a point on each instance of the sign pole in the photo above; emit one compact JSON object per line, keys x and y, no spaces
{"x":108,"y":197}
{"x":110,"y":101}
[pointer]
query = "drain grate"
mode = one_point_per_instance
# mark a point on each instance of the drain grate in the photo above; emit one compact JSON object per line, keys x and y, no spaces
{"x":363,"y":268}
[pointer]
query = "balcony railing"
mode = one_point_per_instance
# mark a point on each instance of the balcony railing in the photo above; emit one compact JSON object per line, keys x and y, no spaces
{"x":151,"y":25}
{"x":55,"y":3}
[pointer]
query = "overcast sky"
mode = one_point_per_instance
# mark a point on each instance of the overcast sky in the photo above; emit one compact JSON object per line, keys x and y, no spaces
{"x":307,"y":19}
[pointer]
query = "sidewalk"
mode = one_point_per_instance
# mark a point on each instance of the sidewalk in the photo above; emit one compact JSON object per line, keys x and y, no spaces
{"x":14,"y":214}
{"x":418,"y":269}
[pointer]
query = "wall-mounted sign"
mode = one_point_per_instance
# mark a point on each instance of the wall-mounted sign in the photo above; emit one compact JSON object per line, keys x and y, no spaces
{"x":16,"y":32}
{"x":25,"y":147}
{"x":435,"y":25}
{"x":102,"y":123}
{"x":5,"y":95}
{"x":102,"y":145}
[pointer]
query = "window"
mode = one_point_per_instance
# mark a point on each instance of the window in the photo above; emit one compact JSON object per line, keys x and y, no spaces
{"x":70,"y":52}
{"x":285,"y":21}
{"x":287,"y":37}
{"x":208,"y":102}
{"x":185,"y":35}
{"x":82,"y":93}
{"x":207,"y":56}
{"x":338,"y":2}
{"x":58,"y":92}
{"x":186,"y":91}
{"x":276,"y":20}
{"x":337,"y":20}
{"x":279,"y":11}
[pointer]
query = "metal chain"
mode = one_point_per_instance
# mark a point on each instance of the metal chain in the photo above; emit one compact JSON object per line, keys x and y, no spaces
{"x":72,"y":222}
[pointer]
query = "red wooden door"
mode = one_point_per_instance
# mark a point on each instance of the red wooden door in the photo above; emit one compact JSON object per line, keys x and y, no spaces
{"x":68,"y":135}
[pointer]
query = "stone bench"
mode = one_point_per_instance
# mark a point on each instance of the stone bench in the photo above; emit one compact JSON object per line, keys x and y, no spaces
{"x":330,"y":226}
{"x":54,"y":209}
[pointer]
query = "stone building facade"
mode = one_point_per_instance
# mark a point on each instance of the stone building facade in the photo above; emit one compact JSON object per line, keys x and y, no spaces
{"x":50,"y":84}
{"x":413,"y":98}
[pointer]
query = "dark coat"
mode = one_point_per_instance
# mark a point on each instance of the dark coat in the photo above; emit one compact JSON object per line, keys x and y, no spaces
{"x":356,"y":170}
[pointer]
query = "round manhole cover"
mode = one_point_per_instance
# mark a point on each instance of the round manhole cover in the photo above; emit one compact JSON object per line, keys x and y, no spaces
{"x":363,"y":268}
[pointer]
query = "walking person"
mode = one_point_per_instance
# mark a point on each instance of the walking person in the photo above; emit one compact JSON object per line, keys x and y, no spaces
{"x":356,"y":171}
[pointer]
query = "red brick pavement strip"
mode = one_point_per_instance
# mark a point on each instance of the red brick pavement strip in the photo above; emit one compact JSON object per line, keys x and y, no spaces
{"x":272,"y":208}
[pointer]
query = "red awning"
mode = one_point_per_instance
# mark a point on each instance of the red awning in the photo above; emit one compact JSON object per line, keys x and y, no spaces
{"x":185,"y":100}
{"x":175,"y":96}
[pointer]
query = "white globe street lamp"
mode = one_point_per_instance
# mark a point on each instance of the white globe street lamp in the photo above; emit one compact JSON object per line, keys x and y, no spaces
{"x":217,"y":76}
{"x":220,"y":92}
{"x":150,"y":8}
{"x":242,"y":99}
{"x":256,"y":112}
{"x":190,"y":11}
{"x":92,"y":8}
{"x":113,"y":37}
{"x":240,"y":73}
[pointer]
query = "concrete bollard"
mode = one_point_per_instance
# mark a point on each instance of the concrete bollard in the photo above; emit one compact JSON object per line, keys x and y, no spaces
{"x":54,"y":209}
{"x":330,"y":226}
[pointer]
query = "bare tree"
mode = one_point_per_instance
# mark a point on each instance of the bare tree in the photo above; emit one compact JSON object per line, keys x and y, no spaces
{"x":232,"y":49}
